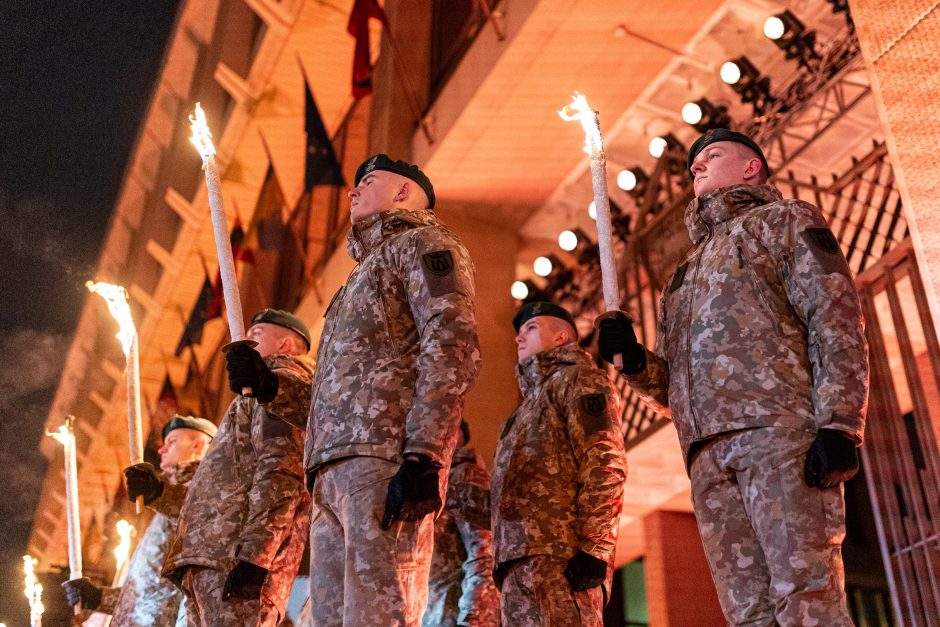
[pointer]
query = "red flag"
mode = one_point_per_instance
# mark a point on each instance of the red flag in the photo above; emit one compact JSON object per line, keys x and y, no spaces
{"x":358,"y":27}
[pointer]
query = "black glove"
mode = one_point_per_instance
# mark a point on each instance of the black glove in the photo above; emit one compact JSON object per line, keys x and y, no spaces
{"x":246,"y":369}
{"x":143,"y":480}
{"x":831,"y":459}
{"x":413,"y":492}
{"x":82,"y":592}
{"x":616,"y":337}
{"x":584,"y":571}
{"x":244,"y":582}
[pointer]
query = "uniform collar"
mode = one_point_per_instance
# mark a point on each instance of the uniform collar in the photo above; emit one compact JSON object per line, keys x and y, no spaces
{"x":179,"y":474}
{"x":536,"y":368}
{"x":723,"y":204}
{"x":286,"y":361}
{"x":365,"y":236}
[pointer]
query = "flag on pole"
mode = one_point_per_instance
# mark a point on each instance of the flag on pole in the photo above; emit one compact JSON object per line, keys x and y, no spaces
{"x":322,"y":167}
{"x":210,"y":301}
{"x":358,"y":27}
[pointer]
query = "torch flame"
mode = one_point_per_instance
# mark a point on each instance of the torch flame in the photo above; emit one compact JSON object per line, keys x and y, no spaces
{"x":123,"y":549}
{"x":63,"y":435}
{"x":33,"y":589}
{"x":580,"y":110}
{"x":202,"y":137}
{"x":116,"y":297}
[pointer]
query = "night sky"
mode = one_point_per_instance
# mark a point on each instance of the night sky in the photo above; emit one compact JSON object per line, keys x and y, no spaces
{"x":75,"y":80}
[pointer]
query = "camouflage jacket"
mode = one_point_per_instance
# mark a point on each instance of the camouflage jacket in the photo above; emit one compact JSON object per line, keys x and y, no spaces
{"x":560,"y":462}
{"x":146,"y":599}
{"x":399,"y":347}
{"x":760,"y":325}
{"x":247,"y":501}
{"x":461,"y":590}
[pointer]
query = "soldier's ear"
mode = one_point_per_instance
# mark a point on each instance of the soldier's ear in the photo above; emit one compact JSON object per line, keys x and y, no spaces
{"x":404,"y":191}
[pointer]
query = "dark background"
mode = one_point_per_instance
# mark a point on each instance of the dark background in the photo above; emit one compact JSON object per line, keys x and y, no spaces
{"x":75,"y":81}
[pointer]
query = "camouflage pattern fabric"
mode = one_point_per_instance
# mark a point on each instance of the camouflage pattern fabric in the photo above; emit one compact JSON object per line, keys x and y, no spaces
{"x":560,"y":463}
{"x":399,"y":348}
{"x":205,"y":608}
{"x":536,"y":594}
{"x":461,"y":590}
{"x":247,"y":500}
{"x":361,"y":574}
{"x":146,"y":599}
{"x":773,"y":544}
{"x":760,"y":325}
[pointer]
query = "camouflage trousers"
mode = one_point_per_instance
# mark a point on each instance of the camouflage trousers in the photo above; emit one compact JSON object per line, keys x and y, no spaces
{"x":535,"y":593}
{"x":361,"y":574}
{"x":205,"y":607}
{"x":773,"y":544}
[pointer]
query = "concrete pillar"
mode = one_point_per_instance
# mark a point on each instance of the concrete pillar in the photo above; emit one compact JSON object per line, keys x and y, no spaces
{"x":899,"y":42}
{"x":493,"y":250}
{"x":400,"y":81}
{"x":679,"y":586}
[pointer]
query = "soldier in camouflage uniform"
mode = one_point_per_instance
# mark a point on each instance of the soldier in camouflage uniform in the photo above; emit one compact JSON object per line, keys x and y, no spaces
{"x":761,"y":362}
{"x":461,"y":590}
{"x":558,"y":479}
{"x":146,"y":599}
{"x":243,"y":522}
{"x":398,"y":354}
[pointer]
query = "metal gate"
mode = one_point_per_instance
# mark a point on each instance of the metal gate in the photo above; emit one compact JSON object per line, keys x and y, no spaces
{"x":900,"y":452}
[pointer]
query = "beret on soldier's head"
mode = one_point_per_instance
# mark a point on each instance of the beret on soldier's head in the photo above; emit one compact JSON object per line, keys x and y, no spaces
{"x":384,"y":162}
{"x":189,"y":422}
{"x":283,"y":319}
{"x":541,"y":308}
{"x":724,"y":135}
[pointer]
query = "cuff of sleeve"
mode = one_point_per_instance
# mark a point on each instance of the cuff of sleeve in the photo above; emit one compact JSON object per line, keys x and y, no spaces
{"x":433,"y":453}
{"x":850,"y":427}
{"x":599,"y":551}
{"x":258,"y":558}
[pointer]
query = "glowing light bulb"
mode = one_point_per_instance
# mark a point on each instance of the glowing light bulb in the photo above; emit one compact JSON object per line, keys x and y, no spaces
{"x":730,"y":72}
{"x":692,"y":113}
{"x":774,"y":28}
{"x":626,"y":180}
{"x":567,"y":241}
{"x":519,"y":290}
{"x":542,"y":266}
{"x":657,"y":147}
{"x":592,"y":210}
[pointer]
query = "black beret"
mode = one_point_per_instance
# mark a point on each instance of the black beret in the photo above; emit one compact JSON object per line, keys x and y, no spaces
{"x":541,"y":308}
{"x":384,"y":162}
{"x":724,"y":135}
{"x":282,"y":319}
{"x":189,"y":422}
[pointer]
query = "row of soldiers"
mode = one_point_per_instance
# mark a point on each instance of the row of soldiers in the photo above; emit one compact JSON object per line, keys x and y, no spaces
{"x":760,"y":361}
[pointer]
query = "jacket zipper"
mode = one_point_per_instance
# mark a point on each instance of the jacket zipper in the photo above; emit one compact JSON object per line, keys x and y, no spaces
{"x":698,"y":262}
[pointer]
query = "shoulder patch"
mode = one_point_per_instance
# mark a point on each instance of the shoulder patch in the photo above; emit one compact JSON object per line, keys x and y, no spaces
{"x":678,"y":277}
{"x":593,"y":413}
{"x":438,"y":267}
{"x":272,"y":427}
{"x":825,"y":248}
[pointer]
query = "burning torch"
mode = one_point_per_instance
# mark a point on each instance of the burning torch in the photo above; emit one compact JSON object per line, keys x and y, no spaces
{"x":116,"y":298}
{"x":202,"y":140}
{"x":33,"y":591}
{"x":579,"y":110}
